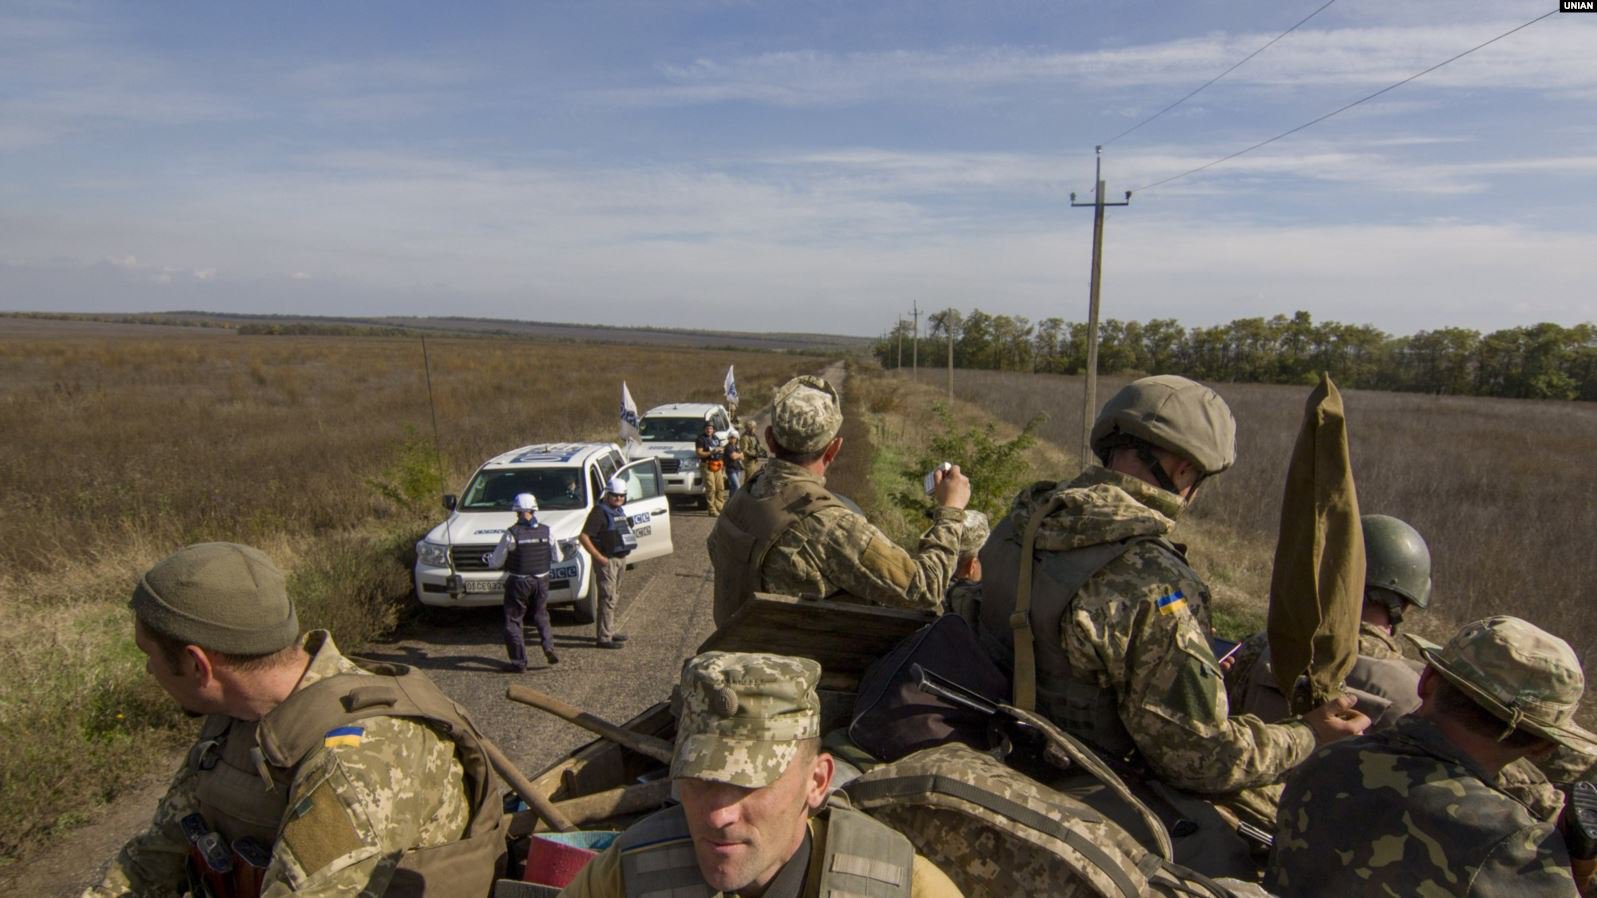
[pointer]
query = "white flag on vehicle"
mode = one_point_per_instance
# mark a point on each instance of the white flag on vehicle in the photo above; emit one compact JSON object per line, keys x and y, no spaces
{"x":731,"y":387}
{"x":629,"y":419}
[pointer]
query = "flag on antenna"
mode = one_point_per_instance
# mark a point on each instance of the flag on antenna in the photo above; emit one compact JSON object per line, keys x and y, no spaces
{"x":731,"y":388}
{"x":629,"y":419}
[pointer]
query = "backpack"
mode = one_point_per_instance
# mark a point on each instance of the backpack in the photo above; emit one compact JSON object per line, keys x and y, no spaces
{"x":997,"y":833}
{"x":893,"y":717}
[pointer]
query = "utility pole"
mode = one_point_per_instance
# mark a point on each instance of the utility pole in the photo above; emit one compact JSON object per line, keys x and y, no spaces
{"x":948,"y":334}
{"x":1089,"y":400}
{"x":914,"y":344}
{"x":899,"y":329}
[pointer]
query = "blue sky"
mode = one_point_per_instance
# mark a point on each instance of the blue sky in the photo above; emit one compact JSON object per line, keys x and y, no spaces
{"x":795,"y":165}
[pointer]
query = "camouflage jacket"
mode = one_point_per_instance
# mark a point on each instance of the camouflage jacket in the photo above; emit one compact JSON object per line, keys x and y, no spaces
{"x":601,"y":878}
{"x":396,"y":786}
{"x":836,"y":549}
{"x":1428,"y":823}
{"x":1140,"y":627}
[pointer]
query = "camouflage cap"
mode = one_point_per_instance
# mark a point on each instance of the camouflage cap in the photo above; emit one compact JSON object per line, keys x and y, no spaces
{"x":219,"y":596}
{"x":805,"y":414}
{"x":975,"y":533}
{"x":1522,"y":674}
{"x":741,"y":716}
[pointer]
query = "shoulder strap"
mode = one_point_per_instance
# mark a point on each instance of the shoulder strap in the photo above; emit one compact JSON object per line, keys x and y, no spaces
{"x":657,"y":858}
{"x":864,"y":858}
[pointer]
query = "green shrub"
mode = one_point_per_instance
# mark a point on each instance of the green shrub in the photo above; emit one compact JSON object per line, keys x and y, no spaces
{"x":997,"y":468}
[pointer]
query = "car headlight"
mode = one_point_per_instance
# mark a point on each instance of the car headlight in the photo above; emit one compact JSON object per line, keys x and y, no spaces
{"x":432,"y":554}
{"x":690,"y":464}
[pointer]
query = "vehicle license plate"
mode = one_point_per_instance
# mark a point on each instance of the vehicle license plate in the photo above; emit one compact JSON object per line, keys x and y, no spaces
{"x":485,"y":585}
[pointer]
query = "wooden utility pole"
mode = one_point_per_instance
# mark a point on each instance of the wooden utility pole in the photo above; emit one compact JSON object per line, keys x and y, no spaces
{"x":914,"y":344}
{"x":1089,"y":401}
{"x":948,"y":334}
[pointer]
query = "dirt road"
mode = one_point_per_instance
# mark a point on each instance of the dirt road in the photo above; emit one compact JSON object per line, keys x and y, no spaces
{"x":665,"y":609}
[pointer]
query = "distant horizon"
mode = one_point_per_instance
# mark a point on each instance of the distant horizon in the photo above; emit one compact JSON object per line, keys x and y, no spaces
{"x":378,"y":319}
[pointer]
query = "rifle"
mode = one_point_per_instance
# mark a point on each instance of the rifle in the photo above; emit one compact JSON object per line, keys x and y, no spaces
{"x":1056,"y":746}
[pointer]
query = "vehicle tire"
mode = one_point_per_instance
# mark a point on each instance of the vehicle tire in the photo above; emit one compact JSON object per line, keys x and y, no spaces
{"x":586,"y":608}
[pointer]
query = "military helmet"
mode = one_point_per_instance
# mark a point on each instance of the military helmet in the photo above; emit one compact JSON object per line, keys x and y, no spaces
{"x":1396,"y":558}
{"x":1174,"y":414}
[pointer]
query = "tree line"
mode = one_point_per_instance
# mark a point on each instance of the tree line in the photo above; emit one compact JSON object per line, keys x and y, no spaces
{"x":1541,"y":361}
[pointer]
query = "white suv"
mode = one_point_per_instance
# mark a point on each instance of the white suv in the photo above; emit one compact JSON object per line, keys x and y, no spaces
{"x":568,"y":479}
{"x":668,"y":433}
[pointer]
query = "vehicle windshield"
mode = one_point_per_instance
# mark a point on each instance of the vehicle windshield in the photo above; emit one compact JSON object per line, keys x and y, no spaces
{"x":671,"y":430}
{"x":556,"y":488}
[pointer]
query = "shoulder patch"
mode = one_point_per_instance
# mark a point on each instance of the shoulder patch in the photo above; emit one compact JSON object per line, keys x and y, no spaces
{"x":344,"y":737}
{"x":887,"y":561}
{"x":319,"y":830}
{"x":1171,"y":602}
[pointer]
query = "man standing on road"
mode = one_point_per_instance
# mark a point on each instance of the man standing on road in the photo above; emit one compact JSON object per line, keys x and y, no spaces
{"x":735,"y":467}
{"x":1426,"y":815}
{"x":712,"y":455}
{"x":1119,"y":623}
{"x":607,"y":537}
{"x":340,"y":778}
{"x":526,"y":551}
{"x":750,"y":447}
{"x":786,"y":533}
{"x":755,"y":817}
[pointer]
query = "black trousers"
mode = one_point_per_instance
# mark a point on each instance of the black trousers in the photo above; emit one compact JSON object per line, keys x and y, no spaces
{"x":518,"y":592}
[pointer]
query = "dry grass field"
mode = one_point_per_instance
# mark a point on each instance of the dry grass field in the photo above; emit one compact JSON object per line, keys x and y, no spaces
{"x":125,"y":442}
{"x":1505,"y":491}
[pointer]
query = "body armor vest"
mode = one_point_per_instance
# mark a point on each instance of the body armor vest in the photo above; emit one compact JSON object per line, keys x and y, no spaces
{"x":534,"y":551}
{"x":748,"y":528}
{"x":861,"y":858}
{"x":616,"y":539}
{"x":1078,"y":705}
{"x":235,"y":759}
{"x":1387,"y":688}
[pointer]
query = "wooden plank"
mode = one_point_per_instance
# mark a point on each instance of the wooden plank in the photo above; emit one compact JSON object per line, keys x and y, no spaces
{"x":844,"y":637}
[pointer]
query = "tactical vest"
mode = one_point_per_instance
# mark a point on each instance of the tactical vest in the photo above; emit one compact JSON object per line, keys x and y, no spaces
{"x":747,"y":530}
{"x":1077,"y":704}
{"x":861,"y":858}
{"x":234,"y":759}
{"x":616,"y":539}
{"x":534,"y":551}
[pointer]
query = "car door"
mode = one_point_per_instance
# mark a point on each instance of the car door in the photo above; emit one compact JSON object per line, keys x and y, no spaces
{"x":646,"y":505}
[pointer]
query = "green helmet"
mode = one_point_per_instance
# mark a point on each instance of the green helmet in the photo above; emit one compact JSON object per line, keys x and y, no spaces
{"x":1174,"y":414}
{"x":1396,"y":558}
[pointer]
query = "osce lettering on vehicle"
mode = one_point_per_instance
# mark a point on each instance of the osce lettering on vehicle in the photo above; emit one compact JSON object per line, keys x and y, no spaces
{"x":565,"y":572}
{"x":561,"y":453}
{"x":490,"y":532}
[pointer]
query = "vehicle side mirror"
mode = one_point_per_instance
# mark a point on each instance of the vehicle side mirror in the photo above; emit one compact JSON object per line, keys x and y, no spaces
{"x":449,"y":501}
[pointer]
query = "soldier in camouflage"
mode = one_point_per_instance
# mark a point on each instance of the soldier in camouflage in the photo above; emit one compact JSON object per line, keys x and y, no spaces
{"x":755,"y":817}
{"x":1119,"y":622}
{"x":1430,"y":818}
{"x":1397,"y":578}
{"x":964,"y":593}
{"x":786,"y":533}
{"x":349,"y":778}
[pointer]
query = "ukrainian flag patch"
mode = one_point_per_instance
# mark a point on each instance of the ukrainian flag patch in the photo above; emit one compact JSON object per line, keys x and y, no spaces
{"x":1171,"y":603}
{"x":344,"y":737}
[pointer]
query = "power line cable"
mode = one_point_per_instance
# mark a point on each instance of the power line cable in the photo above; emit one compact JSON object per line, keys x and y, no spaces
{"x":1357,"y":102}
{"x":1233,"y":68}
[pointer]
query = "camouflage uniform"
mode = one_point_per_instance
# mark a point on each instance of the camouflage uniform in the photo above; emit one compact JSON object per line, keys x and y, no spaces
{"x":784,"y":532}
{"x":753,"y":449}
{"x":1380,"y":672}
{"x":837,"y":550}
{"x":395,"y":786}
{"x":964,"y":594}
{"x":1139,"y":630}
{"x":1430,"y":823}
{"x":1433,"y":820}
{"x":741,"y":720}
